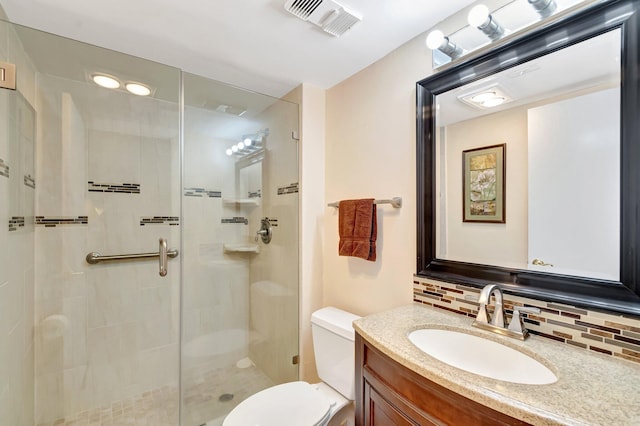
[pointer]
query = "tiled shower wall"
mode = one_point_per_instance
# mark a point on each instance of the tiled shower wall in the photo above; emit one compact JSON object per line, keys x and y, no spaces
{"x":104,"y":332}
{"x":17,"y":133}
{"x":607,"y":333}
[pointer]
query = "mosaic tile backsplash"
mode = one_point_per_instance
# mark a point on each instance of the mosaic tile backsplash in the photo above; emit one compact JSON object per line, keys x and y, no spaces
{"x":610,"y":334}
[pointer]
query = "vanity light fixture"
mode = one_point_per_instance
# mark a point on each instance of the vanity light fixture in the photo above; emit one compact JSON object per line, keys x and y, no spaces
{"x":480,"y":18}
{"x":138,"y":89}
{"x":106,"y":81}
{"x":437,"y":40}
{"x":544,"y":8}
{"x":249,"y":144}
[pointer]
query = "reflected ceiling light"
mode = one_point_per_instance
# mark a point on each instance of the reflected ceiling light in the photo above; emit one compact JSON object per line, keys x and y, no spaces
{"x":240,"y":145}
{"x":138,"y":89}
{"x":229,"y":151}
{"x":437,"y":40}
{"x":480,"y":17}
{"x":247,"y":141}
{"x":494,"y":101}
{"x":488,"y":97}
{"x":105,"y":81}
{"x":483,"y":97}
{"x":234,"y":148}
{"x":544,"y":8}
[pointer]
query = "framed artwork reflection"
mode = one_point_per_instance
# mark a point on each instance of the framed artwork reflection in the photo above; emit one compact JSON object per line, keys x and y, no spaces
{"x":483,"y":184}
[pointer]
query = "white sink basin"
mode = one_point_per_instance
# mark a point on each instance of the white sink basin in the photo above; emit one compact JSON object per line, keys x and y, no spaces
{"x":481,"y":356}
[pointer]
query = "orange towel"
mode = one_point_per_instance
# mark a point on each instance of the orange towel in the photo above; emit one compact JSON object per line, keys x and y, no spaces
{"x":358,"y":228}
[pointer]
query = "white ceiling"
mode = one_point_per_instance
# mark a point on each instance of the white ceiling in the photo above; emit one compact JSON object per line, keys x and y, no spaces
{"x":254,"y":44}
{"x":593,"y":64}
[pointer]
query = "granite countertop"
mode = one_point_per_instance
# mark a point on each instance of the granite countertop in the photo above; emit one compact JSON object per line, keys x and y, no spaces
{"x":592,"y":389}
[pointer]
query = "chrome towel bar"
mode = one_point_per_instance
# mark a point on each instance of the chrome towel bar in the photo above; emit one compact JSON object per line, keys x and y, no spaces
{"x":395,"y":202}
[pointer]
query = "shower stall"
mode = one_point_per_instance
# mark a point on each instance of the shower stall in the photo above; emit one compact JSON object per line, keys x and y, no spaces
{"x":100,"y":190}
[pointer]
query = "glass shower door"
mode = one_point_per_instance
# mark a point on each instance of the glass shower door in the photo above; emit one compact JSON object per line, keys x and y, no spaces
{"x":101,"y":167}
{"x":240,"y":247}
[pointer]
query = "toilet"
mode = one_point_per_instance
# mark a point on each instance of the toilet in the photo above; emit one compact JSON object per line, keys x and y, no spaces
{"x":304,"y":404}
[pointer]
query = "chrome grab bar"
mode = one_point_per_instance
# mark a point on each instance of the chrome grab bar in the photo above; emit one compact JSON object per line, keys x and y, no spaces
{"x":163,"y":257}
{"x":95,"y":257}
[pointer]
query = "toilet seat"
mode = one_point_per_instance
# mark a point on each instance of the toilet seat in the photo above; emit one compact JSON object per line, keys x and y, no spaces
{"x":289,"y":404}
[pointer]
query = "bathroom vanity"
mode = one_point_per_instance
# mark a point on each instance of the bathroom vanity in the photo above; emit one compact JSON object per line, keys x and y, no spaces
{"x":393,"y":394}
{"x":397,"y":383}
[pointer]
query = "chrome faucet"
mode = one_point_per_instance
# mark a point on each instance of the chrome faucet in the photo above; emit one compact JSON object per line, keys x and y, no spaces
{"x":497,"y":318}
{"x":496,"y":321}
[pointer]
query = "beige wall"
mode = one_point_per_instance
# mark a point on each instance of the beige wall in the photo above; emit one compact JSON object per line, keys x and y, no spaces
{"x":370,"y":152}
{"x":503,"y":243}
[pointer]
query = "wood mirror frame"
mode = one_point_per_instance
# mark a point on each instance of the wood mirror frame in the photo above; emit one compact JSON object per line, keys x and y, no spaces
{"x":618,"y":296}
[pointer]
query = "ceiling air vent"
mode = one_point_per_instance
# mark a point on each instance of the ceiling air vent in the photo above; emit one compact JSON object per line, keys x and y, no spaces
{"x":302,"y":8}
{"x":329,"y":15}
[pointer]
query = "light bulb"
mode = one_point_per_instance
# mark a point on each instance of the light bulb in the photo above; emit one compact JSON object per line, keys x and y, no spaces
{"x":105,"y":81}
{"x":229,"y":151}
{"x":495,"y":101}
{"x":483,"y":97}
{"x":435,"y":39}
{"x":138,"y":89}
{"x":240,"y":145}
{"x":478,"y":15}
{"x":234,"y":148}
{"x":247,"y":141}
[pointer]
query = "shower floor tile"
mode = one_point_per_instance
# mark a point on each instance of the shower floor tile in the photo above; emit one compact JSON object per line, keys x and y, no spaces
{"x":209,"y":395}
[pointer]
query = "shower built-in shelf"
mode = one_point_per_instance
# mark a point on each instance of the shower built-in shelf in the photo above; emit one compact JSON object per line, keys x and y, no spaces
{"x":241,"y":248}
{"x":250,"y":202}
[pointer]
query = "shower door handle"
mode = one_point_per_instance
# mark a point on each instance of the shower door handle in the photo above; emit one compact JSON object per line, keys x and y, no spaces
{"x":163,"y":257}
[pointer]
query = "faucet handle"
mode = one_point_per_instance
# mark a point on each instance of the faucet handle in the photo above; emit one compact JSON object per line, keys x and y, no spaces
{"x":516,"y":323}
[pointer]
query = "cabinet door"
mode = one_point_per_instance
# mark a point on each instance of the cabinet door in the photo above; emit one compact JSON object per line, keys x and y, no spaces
{"x":378,"y":411}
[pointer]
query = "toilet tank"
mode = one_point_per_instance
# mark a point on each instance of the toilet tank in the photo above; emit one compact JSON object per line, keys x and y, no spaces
{"x":334,"y":348}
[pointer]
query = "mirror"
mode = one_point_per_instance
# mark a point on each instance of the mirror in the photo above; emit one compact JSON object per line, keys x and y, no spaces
{"x":526,"y":215}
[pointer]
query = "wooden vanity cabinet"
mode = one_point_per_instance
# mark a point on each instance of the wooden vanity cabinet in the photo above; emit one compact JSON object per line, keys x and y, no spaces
{"x":388,"y":393}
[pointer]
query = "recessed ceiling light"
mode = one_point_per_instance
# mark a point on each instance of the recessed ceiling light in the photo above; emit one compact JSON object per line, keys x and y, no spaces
{"x":105,"y":81}
{"x":138,"y":89}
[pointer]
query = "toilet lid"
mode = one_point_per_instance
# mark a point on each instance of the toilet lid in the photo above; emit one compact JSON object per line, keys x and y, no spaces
{"x":289,"y":404}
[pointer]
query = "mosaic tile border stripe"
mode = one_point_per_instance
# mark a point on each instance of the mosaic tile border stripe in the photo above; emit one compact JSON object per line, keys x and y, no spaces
{"x":202,"y":192}
{"x":609,"y":334}
{"x":273,"y":221}
{"x":53,"y":221}
{"x":159,"y":220}
{"x":4,"y":168}
{"x":238,"y":219}
{"x":29,"y":181}
{"x":289,"y":189}
{"x":122,"y":188}
{"x":16,"y":222}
